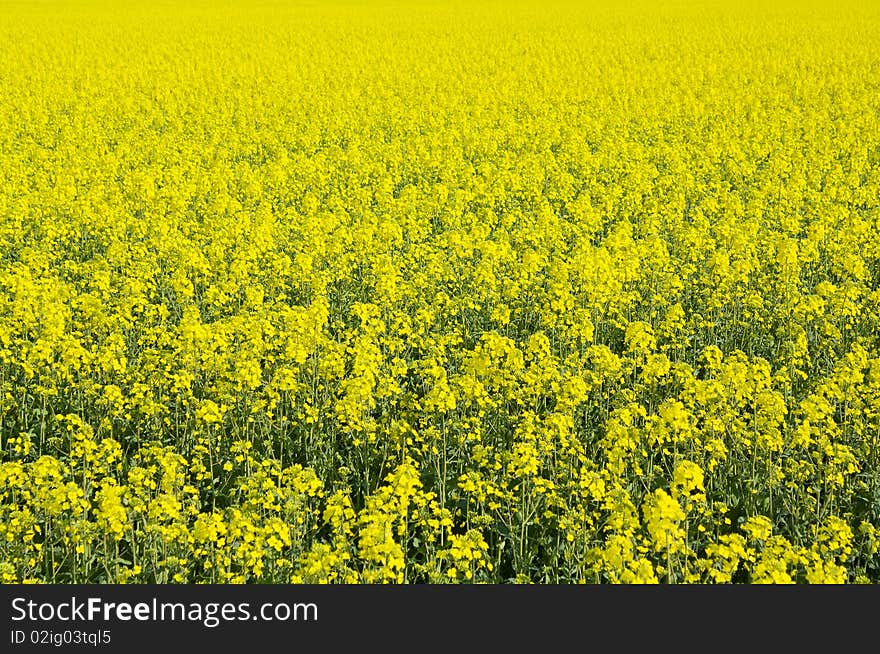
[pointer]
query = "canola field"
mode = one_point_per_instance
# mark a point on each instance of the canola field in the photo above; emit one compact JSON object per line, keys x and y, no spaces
{"x":439,"y":292}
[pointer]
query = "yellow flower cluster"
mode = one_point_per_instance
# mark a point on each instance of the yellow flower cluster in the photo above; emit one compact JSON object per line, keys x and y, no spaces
{"x":440,"y":292}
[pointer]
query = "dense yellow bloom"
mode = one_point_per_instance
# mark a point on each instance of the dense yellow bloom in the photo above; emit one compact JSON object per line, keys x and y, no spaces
{"x":558,"y":292}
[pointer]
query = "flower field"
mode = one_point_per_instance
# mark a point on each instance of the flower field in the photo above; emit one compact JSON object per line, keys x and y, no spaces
{"x":436,"y":292}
